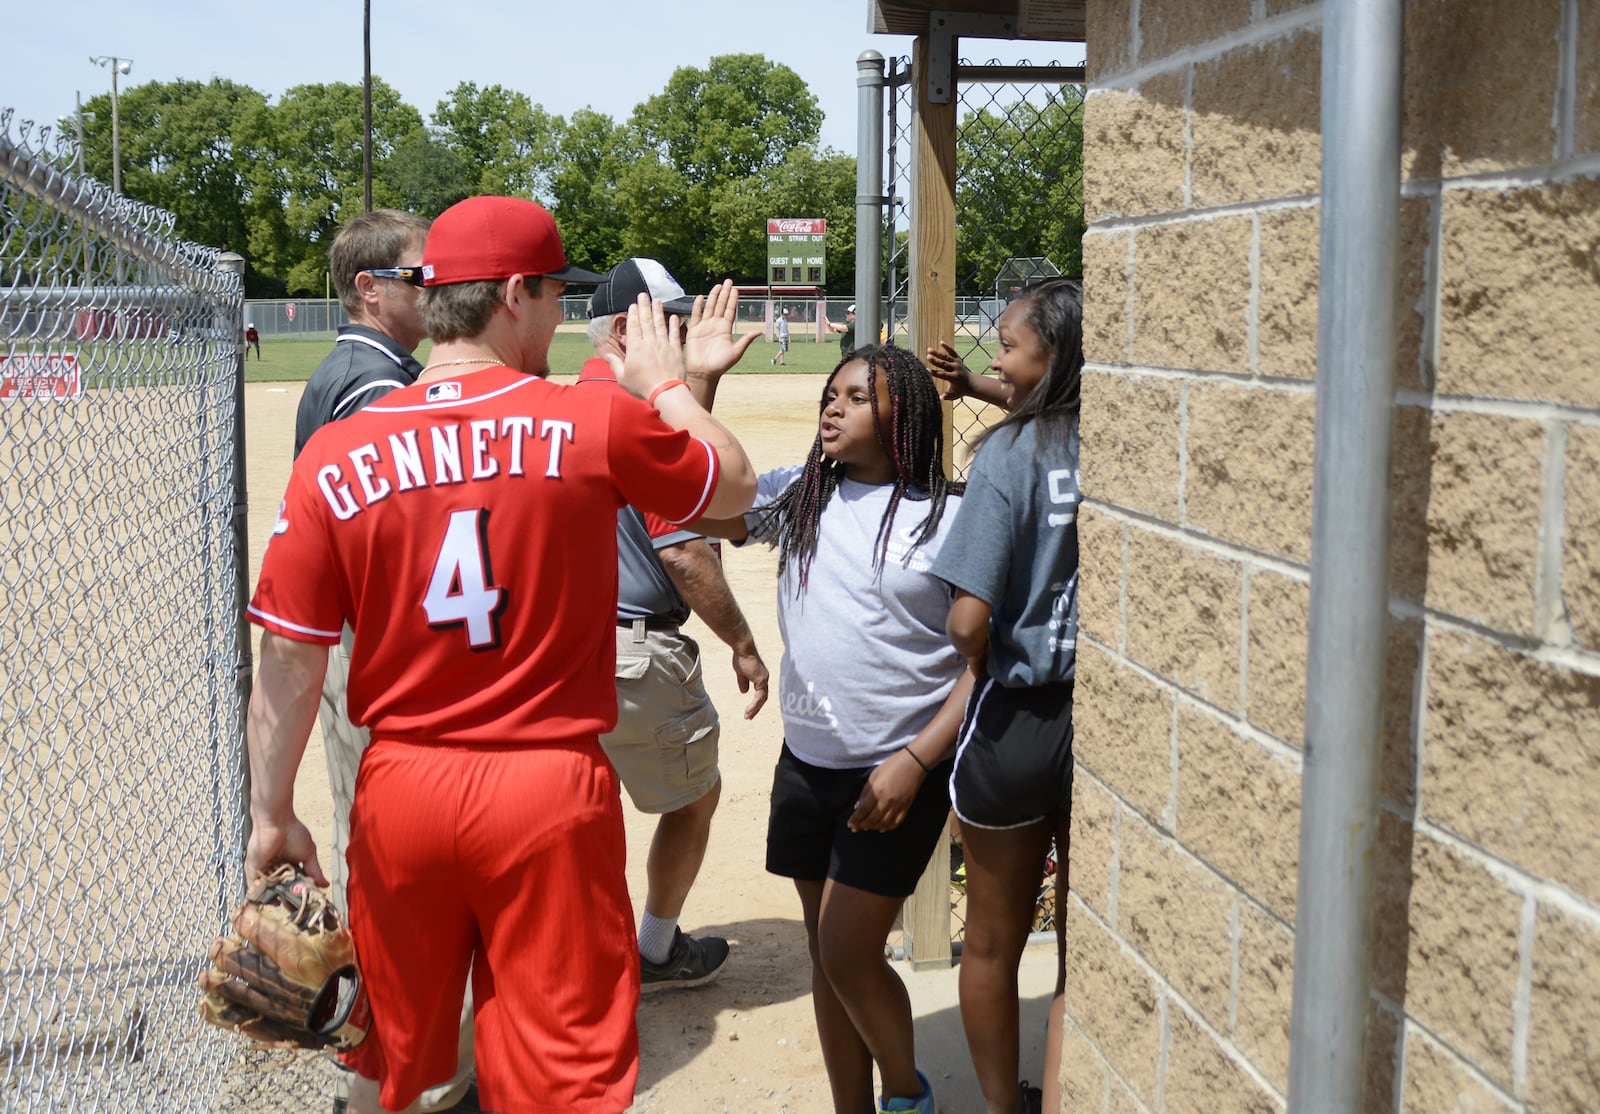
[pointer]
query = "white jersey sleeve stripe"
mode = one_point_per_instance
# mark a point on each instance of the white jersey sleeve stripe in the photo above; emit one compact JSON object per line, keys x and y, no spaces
{"x":712,"y":472}
{"x":279,"y":621}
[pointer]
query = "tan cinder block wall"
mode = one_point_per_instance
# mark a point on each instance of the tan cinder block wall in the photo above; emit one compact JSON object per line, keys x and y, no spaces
{"x":1202,"y":136}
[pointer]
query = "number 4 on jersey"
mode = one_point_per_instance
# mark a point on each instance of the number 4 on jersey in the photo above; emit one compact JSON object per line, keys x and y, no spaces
{"x":462,"y":590}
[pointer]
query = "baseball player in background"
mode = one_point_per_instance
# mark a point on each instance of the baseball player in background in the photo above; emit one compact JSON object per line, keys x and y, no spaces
{"x":465,"y":528}
{"x":665,"y":743}
{"x":376,"y":265}
{"x":783,"y":338}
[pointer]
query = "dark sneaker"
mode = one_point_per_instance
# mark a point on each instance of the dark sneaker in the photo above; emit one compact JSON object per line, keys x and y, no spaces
{"x":1032,"y":1098}
{"x":691,"y":963}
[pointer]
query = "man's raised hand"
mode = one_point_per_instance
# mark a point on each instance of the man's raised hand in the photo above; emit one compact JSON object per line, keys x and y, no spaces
{"x":710,"y":345}
{"x":654,"y":353}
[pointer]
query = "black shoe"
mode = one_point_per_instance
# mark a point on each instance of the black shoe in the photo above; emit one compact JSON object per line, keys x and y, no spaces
{"x":690,"y":963}
{"x":1032,"y":1098}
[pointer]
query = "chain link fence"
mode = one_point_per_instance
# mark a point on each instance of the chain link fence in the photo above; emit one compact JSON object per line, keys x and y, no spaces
{"x":1019,"y":203}
{"x":124,"y":663}
{"x":1019,"y":218}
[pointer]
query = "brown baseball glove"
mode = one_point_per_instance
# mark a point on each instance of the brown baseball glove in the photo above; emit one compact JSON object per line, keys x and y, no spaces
{"x":287,"y":974}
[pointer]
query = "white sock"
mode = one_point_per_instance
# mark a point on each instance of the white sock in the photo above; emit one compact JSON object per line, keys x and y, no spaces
{"x":656,"y":937}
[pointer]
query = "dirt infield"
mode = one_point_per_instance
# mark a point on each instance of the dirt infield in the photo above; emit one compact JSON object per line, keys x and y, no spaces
{"x":748,"y":1041}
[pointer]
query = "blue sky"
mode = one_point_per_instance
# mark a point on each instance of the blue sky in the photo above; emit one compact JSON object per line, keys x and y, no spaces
{"x":564,"y":54}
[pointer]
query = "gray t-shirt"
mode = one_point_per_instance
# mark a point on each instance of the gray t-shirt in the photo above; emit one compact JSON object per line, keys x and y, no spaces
{"x":1015,"y":546}
{"x":866,"y":661}
{"x":644,"y":591}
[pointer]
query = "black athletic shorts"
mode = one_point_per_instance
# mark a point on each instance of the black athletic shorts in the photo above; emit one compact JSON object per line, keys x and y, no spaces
{"x":1013,"y":763}
{"x":808,"y":837}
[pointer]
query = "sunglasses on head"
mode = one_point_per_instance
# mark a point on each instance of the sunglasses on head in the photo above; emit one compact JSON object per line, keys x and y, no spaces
{"x":412,"y":276}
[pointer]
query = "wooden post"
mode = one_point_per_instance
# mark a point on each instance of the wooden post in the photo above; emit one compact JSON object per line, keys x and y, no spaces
{"x":926,"y":916}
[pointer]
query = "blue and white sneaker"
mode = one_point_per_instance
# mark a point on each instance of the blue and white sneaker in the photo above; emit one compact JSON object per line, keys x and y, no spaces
{"x":922,"y":1104}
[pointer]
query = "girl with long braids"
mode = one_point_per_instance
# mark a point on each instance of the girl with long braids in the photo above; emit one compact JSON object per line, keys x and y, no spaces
{"x":1013,"y":561}
{"x":871,"y":692}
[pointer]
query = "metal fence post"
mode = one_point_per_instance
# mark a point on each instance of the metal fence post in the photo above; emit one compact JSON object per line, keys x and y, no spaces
{"x":869,"y":195}
{"x":1361,"y":98}
{"x":233,"y":264}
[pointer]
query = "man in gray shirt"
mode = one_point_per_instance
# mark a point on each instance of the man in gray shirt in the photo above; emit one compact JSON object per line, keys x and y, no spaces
{"x":665,"y":743}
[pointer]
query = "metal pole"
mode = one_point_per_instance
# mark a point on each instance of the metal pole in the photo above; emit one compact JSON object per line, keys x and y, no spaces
{"x":83,"y":231}
{"x":1361,"y":88}
{"x":894,"y":176}
{"x":116,"y":135}
{"x":869,"y":195}
{"x":233,"y":319}
{"x":366,"y":105}
{"x":79,"y":97}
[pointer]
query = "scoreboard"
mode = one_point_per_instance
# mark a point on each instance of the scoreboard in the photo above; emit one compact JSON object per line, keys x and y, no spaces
{"x":795,"y":255}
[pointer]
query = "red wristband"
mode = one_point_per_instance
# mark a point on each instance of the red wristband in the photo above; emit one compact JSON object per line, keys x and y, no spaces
{"x":667,"y":386}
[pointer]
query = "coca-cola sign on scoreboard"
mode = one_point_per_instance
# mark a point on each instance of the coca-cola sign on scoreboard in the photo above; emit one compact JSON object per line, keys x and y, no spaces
{"x":796,"y":254}
{"x":807,"y":225}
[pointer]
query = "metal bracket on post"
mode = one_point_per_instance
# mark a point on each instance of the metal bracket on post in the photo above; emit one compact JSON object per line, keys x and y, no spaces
{"x":943,"y":29}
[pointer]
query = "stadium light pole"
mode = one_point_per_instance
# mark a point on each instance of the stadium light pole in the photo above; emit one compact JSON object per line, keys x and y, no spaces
{"x":122,"y":66}
{"x":82,"y":116}
{"x":366,"y":106}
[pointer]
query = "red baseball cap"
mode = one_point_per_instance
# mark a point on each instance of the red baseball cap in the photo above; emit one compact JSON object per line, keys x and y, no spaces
{"x":486,"y":238}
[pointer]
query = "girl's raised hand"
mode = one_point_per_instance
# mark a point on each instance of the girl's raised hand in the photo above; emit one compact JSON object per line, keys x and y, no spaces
{"x":945,"y":365}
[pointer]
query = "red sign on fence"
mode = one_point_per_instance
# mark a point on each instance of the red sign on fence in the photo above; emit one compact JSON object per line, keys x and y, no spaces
{"x":289,"y":311}
{"x":37,"y":376}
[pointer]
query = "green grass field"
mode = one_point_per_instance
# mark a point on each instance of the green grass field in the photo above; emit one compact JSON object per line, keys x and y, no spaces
{"x":293,"y":359}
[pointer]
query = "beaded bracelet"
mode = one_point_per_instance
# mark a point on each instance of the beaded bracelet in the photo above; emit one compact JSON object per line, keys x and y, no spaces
{"x":667,"y":386}
{"x":914,"y":758}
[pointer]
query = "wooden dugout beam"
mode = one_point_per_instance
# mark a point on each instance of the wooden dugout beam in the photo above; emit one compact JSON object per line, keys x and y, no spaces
{"x":926,"y":916}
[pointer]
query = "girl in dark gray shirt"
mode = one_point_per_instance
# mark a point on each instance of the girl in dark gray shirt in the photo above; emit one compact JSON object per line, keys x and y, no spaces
{"x":1012,"y":558}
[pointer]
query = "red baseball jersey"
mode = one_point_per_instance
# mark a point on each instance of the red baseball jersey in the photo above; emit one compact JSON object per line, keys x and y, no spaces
{"x":596,"y":370}
{"x":466,"y":530}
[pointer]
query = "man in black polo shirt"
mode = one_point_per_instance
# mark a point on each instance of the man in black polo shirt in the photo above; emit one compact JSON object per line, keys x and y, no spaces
{"x":376,"y":266}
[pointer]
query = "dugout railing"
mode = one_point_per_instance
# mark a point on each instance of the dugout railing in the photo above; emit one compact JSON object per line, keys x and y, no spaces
{"x":124,"y":658}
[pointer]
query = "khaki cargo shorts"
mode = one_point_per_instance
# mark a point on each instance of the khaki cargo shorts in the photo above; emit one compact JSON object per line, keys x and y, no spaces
{"x":665,"y":743}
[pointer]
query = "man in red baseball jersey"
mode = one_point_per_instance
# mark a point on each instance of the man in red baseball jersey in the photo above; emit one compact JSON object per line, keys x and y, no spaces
{"x":465,"y":528}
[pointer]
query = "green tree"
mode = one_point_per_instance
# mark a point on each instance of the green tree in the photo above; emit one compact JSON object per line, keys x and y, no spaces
{"x":427,"y":174}
{"x":305,"y":161}
{"x":736,"y":119}
{"x":179,"y":153}
{"x":804,"y":185}
{"x":590,"y":155}
{"x":737,"y":116}
{"x":505,"y":139}
{"x":1019,"y":188}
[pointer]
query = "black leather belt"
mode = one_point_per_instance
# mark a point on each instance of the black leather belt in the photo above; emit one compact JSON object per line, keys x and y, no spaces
{"x":655,"y":622}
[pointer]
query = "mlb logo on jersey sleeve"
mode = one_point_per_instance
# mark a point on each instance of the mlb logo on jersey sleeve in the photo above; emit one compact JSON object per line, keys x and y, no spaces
{"x":444,"y":392}
{"x":282,"y":525}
